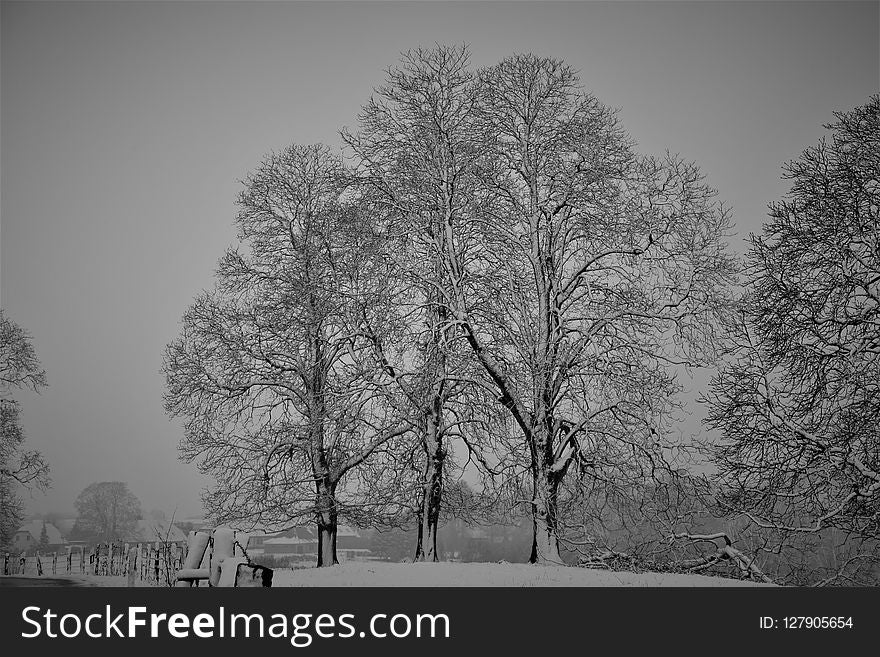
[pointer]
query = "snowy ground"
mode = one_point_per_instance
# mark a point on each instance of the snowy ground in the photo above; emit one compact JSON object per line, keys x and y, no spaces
{"x":445,"y":574}
{"x":71,"y":580}
{"x":60,"y":580}
{"x":482,"y":574}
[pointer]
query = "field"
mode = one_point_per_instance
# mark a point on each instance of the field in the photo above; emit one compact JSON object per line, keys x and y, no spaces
{"x":483,"y":574}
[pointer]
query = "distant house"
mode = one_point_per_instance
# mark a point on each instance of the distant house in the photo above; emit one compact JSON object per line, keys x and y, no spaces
{"x":258,"y":537}
{"x":289,"y":546}
{"x":27,"y":538}
{"x":303,"y":542}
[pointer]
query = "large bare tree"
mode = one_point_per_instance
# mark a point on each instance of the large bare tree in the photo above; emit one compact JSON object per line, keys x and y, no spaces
{"x":272,"y":373}
{"x":798,"y":403}
{"x":582,"y":276}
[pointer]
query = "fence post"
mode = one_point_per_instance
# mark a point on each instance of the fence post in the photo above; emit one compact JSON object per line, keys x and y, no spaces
{"x":55,"y":562}
{"x":6,"y":563}
{"x":131,"y":568}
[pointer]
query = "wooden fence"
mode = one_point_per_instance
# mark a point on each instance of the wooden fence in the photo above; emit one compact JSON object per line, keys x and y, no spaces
{"x":151,"y":563}
{"x":141,"y":564}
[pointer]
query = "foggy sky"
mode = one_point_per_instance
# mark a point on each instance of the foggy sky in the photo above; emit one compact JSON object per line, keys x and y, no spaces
{"x":125,"y":128}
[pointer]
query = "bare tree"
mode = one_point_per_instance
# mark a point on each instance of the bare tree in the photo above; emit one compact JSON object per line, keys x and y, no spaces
{"x":107,"y":511}
{"x":798,"y":402}
{"x":415,"y":148}
{"x":271,"y":372}
{"x":582,"y":277}
{"x":19,"y":370}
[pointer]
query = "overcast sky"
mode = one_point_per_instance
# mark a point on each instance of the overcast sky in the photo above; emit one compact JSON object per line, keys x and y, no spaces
{"x":126,"y":128}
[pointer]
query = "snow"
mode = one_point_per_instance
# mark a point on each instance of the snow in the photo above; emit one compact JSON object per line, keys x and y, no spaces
{"x":229,"y":569}
{"x":483,"y":574}
{"x":77,"y":580}
{"x":359,"y":573}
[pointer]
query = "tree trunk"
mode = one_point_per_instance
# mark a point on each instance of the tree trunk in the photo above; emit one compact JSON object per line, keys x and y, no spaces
{"x":432,"y":486}
{"x":419,"y":537}
{"x":327,"y":545}
{"x":545,"y":538}
{"x":327,"y":523}
{"x":431,"y":511}
{"x":430,"y":515}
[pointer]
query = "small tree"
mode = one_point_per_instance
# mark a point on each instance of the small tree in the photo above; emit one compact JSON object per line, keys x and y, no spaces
{"x":43,"y":545}
{"x":107,"y":511}
{"x":798,"y":402}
